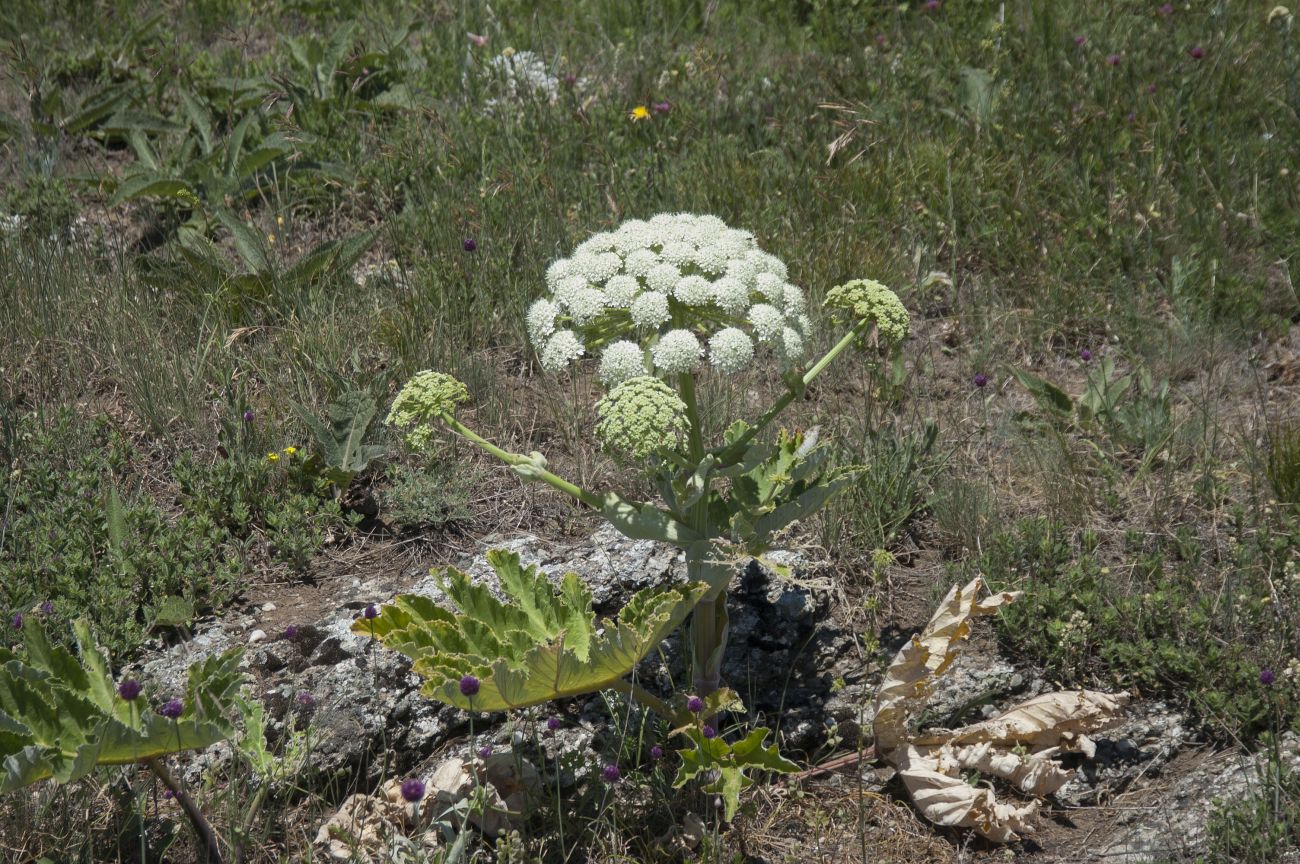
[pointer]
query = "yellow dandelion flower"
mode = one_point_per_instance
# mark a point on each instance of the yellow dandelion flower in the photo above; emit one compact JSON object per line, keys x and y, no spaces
{"x":289,"y":451}
{"x":270,"y":238}
{"x":272,"y":457}
{"x":279,"y":220}
{"x":640,"y":112}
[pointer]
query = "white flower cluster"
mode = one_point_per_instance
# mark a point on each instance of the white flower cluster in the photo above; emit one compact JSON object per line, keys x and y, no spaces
{"x":669,"y":286}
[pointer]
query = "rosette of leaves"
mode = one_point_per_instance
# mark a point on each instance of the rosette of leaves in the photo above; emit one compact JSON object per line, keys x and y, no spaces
{"x":541,"y":643}
{"x":729,"y":765}
{"x":61,"y":716}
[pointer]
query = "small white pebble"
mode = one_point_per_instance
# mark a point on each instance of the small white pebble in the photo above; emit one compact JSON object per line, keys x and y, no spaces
{"x":268,"y":607}
{"x":256,"y":636}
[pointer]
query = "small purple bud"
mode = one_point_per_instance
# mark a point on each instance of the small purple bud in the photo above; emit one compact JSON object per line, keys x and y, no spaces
{"x":980,"y":379}
{"x":1132,"y":117}
{"x":485,"y":751}
{"x":172,"y":709}
{"x":695,"y":704}
{"x":291,"y":632}
{"x":470,"y":244}
{"x":656,"y":752}
{"x":168,"y":794}
{"x":47,"y":608}
{"x":129,"y":689}
{"x":709,"y":732}
{"x":662,"y":107}
{"x":468,"y":685}
{"x":1085,"y":355}
{"x":1197,"y":52}
{"x":1081,"y":40}
{"x":1152,"y":88}
{"x":1113,"y":60}
{"x":1266,"y":677}
{"x":932,"y":5}
{"x":611,"y":773}
{"x":569,"y":79}
{"x":553,"y":722}
{"x":17,"y":621}
{"x":1166,"y":10}
{"x":371,"y":612}
{"x":306,"y":700}
{"x":249,"y":416}
{"x":412,"y":789}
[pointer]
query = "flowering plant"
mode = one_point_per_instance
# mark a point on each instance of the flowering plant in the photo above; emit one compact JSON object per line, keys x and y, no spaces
{"x":661,"y":301}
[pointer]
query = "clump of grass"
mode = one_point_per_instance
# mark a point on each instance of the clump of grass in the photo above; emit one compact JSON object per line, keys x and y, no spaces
{"x":1282,"y":462}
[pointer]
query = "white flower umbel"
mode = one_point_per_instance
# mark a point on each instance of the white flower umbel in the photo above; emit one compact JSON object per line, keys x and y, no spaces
{"x":677,"y":351}
{"x":541,"y":320}
{"x":561,"y":349}
{"x":650,"y":310}
{"x":621,"y":361}
{"x":657,"y":281}
{"x":731,"y":349}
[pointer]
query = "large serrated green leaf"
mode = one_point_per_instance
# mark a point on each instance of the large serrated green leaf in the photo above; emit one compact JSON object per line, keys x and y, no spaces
{"x":537,"y":645}
{"x":60,"y":718}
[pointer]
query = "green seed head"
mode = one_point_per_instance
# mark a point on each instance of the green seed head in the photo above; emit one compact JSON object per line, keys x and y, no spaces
{"x":866,"y":298}
{"x":427,"y":398}
{"x":641,"y":416}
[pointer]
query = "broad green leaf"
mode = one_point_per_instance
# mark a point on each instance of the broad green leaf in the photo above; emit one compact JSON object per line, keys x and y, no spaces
{"x":60,"y":718}
{"x":538,"y":644}
{"x":729,"y":764}
{"x":1048,"y":394}
{"x":150,"y":185}
{"x":247,"y":243}
{"x":645,"y":522}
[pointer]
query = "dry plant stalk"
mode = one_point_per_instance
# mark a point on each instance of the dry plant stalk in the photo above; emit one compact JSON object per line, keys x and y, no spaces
{"x":1017,"y":746}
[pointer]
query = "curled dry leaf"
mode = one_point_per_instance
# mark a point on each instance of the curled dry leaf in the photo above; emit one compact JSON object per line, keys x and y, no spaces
{"x":1017,"y":746}
{"x":509,"y":782}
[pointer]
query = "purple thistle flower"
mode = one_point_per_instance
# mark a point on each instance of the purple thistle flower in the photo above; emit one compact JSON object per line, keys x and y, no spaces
{"x":1152,"y":88}
{"x":708,"y":731}
{"x":662,"y":107}
{"x":1197,"y":52}
{"x":1166,"y":10}
{"x":485,"y":751}
{"x":172,"y":709}
{"x":1085,"y":355}
{"x":656,"y":752}
{"x":129,"y":689}
{"x":168,"y":794}
{"x":695,"y":704}
{"x":47,"y":608}
{"x":291,"y":632}
{"x":249,"y":416}
{"x":412,"y":789}
{"x":1080,"y":40}
{"x":470,"y":244}
{"x":980,"y":379}
{"x":553,"y":722}
{"x":1266,"y":677}
{"x":932,"y":5}
{"x":306,"y":700}
{"x":1113,"y":60}
{"x":611,"y":773}
{"x":17,"y":621}
{"x":468,"y":685}
{"x":371,"y":612}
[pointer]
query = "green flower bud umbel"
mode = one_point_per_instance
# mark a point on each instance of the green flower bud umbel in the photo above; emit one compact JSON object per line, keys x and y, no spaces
{"x":640,"y":416}
{"x":426,"y":399}
{"x":867,"y":298}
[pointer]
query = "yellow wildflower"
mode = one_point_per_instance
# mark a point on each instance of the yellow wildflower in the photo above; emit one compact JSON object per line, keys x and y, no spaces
{"x":640,"y":112}
{"x":279,"y":220}
{"x":270,"y":238}
{"x":289,"y":451}
{"x":272,"y":457}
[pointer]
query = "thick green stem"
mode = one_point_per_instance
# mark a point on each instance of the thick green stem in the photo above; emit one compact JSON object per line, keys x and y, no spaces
{"x":528,"y":462}
{"x":709,"y":623}
{"x":736,"y":450}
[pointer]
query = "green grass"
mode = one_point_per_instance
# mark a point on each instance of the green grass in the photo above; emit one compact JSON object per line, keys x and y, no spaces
{"x":1025,"y":196}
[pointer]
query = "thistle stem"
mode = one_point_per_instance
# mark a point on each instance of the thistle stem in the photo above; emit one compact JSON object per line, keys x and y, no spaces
{"x":201,"y":826}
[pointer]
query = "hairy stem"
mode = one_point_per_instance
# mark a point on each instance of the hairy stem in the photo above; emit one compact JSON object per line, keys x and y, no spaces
{"x":518,"y":459}
{"x":201,"y":826}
